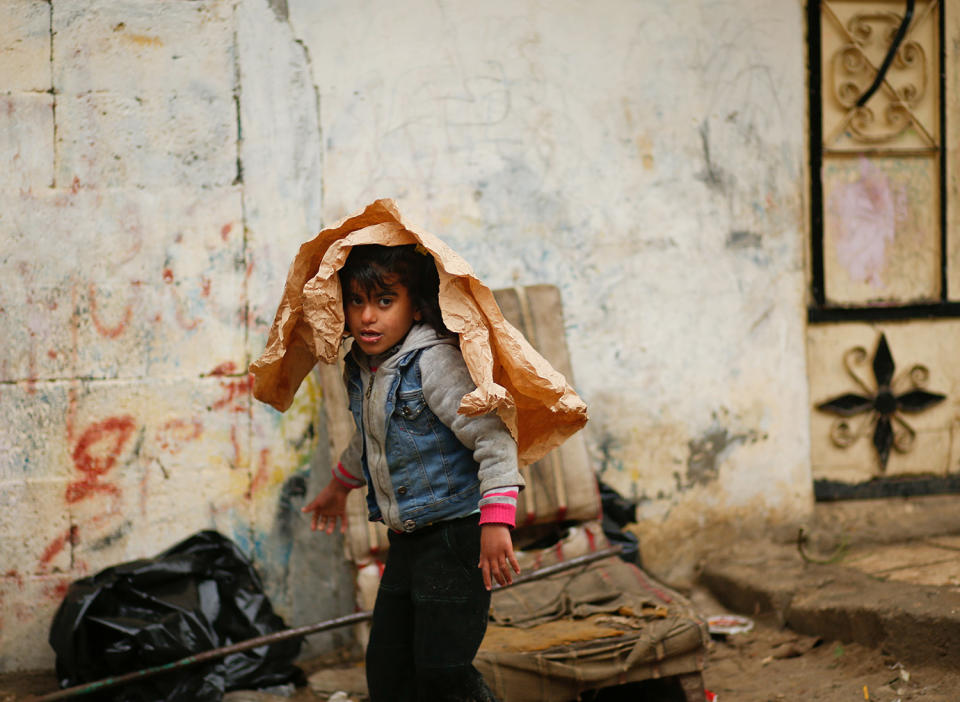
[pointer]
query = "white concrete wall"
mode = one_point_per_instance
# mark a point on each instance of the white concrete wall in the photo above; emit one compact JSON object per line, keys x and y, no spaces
{"x":163,"y":164}
{"x":166,"y":159}
{"x":647,"y":158}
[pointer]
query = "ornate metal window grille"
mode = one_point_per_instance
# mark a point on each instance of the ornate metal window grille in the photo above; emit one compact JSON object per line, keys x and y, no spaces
{"x":878,"y":160}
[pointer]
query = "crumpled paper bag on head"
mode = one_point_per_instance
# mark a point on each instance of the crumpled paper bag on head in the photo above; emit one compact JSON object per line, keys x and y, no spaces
{"x":534,"y":400}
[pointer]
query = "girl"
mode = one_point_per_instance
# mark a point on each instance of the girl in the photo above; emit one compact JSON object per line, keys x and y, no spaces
{"x":444,"y":483}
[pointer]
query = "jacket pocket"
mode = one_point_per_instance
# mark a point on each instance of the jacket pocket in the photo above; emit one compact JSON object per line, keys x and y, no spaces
{"x":412,"y":414}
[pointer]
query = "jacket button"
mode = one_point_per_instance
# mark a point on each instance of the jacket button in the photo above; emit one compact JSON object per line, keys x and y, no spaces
{"x":409,"y":525}
{"x":402,"y":490}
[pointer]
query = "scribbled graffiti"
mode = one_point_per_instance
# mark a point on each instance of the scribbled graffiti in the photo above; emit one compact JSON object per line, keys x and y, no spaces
{"x":56,"y":547}
{"x":173,"y":434}
{"x":96,"y":454}
{"x":102,"y":450}
{"x":104,"y":330}
{"x":236,"y":394}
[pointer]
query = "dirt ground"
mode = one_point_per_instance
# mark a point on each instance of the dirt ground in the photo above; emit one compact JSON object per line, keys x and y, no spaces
{"x":768,"y":664}
{"x":772,"y":663}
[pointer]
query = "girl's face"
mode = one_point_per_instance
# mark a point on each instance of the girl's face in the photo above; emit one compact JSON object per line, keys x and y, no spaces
{"x":379,"y":319}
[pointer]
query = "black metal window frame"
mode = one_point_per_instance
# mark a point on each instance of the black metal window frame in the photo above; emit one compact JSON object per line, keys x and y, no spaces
{"x":819,"y":310}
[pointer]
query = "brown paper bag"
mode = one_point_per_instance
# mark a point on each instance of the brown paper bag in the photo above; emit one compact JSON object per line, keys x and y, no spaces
{"x":533,"y":399}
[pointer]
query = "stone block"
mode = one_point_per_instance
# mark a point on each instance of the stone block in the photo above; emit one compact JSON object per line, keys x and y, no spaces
{"x":281,"y":155}
{"x":26,"y":140}
{"x":911,"y":623}
{"x":104,"y":442}
{"x":122,"y":283}
{"x":177,"y":461}
{"x":34,"y":319}
{"x":27,"y":606}
{"x":38,"y":538}
{"x":25,"y":46}
{"x":157,"y":140}
{"x":918,"y":563}
{"x":130,"y":48}
{"x":33,"y":445}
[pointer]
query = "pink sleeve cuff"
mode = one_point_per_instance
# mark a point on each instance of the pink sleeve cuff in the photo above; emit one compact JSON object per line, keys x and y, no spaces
{"x":341,"y":475}
{"x":498,"y":513}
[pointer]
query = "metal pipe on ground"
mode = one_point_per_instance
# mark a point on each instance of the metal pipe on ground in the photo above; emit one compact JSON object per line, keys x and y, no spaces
{"x":298,"y":632}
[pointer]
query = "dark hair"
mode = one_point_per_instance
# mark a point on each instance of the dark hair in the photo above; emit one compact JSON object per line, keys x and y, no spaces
{"x":370,"y":265}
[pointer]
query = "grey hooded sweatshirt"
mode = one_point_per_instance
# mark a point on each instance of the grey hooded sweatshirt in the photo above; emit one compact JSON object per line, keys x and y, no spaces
{"x":445,"y":380}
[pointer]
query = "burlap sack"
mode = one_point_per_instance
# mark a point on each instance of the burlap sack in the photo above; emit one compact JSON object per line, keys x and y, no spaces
{"x":606,"y":624}
{"x":534,"y":400}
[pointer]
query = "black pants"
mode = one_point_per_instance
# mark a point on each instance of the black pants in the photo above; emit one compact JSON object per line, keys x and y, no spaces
{"x":430,"y":617}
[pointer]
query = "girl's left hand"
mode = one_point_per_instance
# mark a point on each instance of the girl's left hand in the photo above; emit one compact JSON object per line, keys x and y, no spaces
{"x":496,"y":551}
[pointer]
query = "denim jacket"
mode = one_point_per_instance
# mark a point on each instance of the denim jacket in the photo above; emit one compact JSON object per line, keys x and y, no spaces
{"x":422,"y":461}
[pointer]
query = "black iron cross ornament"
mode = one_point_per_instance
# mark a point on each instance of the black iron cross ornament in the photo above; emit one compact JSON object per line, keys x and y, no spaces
{"x":884,"y":404}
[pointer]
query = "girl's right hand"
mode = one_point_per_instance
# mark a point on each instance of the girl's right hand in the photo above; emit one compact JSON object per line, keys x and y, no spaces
{"x":327,"y":507}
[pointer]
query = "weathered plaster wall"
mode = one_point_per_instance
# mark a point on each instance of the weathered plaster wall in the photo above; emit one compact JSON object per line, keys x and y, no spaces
{"x":163,"y":164}
{"x":647,"y":158}
{"x":167,"y":159}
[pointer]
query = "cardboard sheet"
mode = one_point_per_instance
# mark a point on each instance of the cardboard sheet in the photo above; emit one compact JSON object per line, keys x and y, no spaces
{"x":534,"y":400}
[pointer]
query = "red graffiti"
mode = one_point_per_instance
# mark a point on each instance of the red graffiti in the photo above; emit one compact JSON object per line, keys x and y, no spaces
{"x":172,"y":435}
{"x":235,"y":394}
{"x":225,"y":230}
{"x":57,"y":545}
{"x":82,"y":489}
{"x":167,"y":275}
{"x":109,"y":332}
{"x":225,"y":368}
{"x":109,"y":436}
{"x":57,"y":592}
{"x":235,"y":442}
{"x":16,"y":577}
{"x":260,"y":479}
{"x":188,"y":324}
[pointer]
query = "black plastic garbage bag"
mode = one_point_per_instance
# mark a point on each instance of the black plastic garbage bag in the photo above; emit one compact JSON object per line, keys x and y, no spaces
{"x":198,"y":595}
